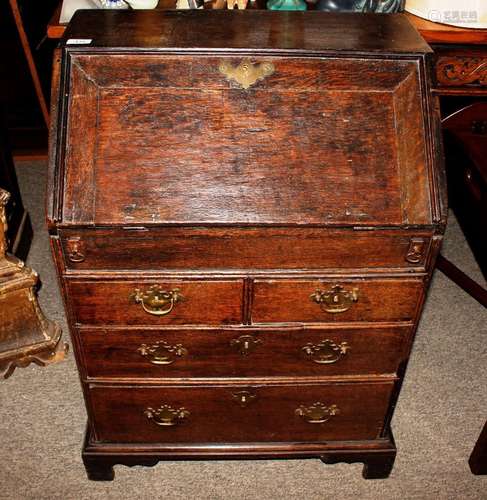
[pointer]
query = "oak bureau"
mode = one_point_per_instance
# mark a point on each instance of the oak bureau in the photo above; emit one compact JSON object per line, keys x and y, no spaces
{"x":245,"y":209}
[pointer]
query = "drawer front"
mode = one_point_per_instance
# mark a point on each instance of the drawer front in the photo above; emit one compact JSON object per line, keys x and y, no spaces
{"x":326,"y":301}
{"x":240,"y":248}
{"x":239,"y":413}
{"x":209,"y":353}
{"x":266,"y":159}
{"x":150,"y":302}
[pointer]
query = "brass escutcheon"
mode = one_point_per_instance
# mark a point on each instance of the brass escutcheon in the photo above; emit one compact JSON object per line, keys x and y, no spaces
{"x":416,"y":250}
{"x":155,"y":300}
{"x":246,"y":73}
{"x":336,"y":300}
{"x":166,"y":416}
{"x":317,"y":413}
{"x":326,"y":352}
{"x":161,"y":353}
{"x":245,"y":344}
{"x":75,"y":249}
{"x":244,"y":398}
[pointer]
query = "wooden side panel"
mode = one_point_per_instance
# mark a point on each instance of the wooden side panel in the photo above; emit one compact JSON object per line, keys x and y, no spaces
{"x":412,"y":160}
{"x":110,"y":303}
{"x":215,"y":415}
{"x":290,"y":301}
{"x":80,"y":154}
{"x":54,"y":176}
{"x":248,"y":352}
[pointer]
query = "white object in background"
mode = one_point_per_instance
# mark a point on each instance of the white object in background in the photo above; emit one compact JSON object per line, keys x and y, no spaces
{"x":112,"y":4}
{"x":143,"y":4}
{"x":71,"y":6}
{"x":463,"y":13}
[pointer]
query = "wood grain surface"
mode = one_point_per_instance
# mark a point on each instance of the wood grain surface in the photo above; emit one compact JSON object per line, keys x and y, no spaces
{"x":212,"y":353}
{"x":216,"y":417}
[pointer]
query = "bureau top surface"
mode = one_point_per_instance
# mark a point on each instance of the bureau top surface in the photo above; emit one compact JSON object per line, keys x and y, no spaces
{"x":246,"y":30}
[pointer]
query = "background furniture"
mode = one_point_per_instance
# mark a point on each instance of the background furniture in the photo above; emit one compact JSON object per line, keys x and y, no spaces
{"x":245,"y":275}
{"x":25,"y":74}
{"x":26,"y":336}
{"x":461,"y":71}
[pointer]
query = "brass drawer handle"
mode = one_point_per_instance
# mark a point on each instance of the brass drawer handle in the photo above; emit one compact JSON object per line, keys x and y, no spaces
{"x":246,"y":73}
{"x":326,"y":352}
{"x":317,"y":413}
{"x":161,"y":353}
{"x":245,"y":344}
{"x":155,"y":300}
{"x":166,"y":416}
{"x":336,"y":300}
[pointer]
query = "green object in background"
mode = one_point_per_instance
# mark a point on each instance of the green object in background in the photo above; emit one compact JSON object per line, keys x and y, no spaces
{"x":286,"y":5}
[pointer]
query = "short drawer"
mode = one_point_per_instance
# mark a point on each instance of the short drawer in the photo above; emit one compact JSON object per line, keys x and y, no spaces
{"x":151,"y":302}
{"x":220,"y":414}
{"x":209,"y":353}
{"x":243,"y":248}
{"x":330,"y":301}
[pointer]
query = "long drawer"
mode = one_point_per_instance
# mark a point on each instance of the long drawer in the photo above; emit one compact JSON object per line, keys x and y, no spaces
{"x":161,"y":302}
{"x":219,"y":414}
{"x":209,"y":353}
{"x":332,"y":301}
{"x":243,"y":248}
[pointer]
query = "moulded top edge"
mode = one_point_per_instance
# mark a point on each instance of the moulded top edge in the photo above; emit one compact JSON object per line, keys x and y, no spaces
{"x":258,"y":30}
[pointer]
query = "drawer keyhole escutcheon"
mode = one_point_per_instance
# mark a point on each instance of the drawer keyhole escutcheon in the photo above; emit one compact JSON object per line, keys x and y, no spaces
{"x":246,"y":73}
{"x":416,"y":250}
{"x":326,"y":352}
{"x":336,"y":300}
{"x":317,"y":413}
{"x":245,"y":344}
{"x":244,"y":398}
{"x":161,"y":353}
{"x":76,"y":250}
{"x":155,"y":300}
{"x":166,"y":416}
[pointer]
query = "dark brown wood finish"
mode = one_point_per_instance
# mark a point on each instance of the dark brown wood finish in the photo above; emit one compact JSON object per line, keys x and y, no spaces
{"x":478,"y":457}
{"x":183,"y":106}
{"x":291,"y":301}
{"x":298,"y":216}
{"x":201,"y":302}
{"x":239,"y":414}
{"x":236,"y":353}
{"x":257,"y":249}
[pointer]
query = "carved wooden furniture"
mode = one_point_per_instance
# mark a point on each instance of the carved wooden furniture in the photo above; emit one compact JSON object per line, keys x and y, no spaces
{"x":26,"y":336}
{"x":245,"y":226}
